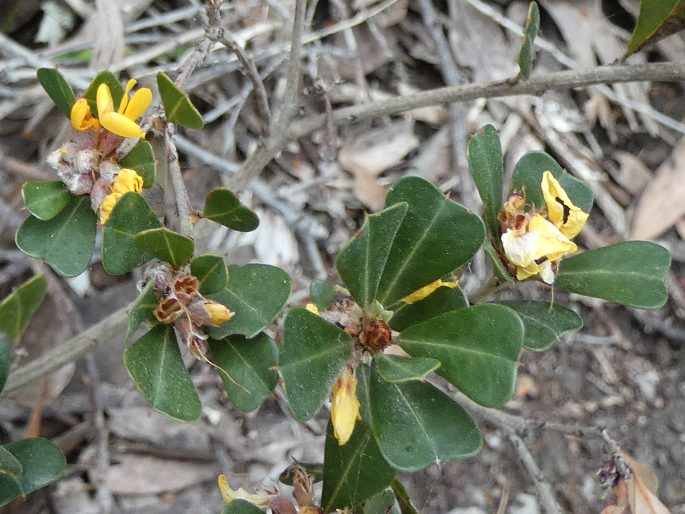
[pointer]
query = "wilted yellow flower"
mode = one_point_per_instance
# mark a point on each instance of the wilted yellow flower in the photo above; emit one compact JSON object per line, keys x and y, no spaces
{"x":218,"y":313}
{"x":345,"y":406}
{"x":426,"y":291}
{"x":122,"y":122}
{"x":568,"y":218}
{"x":312,"y":308}
{"x":263,"y":501}
{"x":126,"y":181}
{"x":81,"y":116}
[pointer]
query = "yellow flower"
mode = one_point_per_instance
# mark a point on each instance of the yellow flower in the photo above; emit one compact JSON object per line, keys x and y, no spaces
{"x":568,"y":218}
{"x":126,"y":180}
{"x":345,"y":406}
{"x":426,"y":291}
{"x":122,"y":122}
{"x":218,"y":313}
{"x":263,"y":501}
{"x":312,"y":308}
{"x":81,"y":116}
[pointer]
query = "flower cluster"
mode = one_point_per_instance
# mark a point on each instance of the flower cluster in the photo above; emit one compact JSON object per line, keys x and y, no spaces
{"x":534,"y":242}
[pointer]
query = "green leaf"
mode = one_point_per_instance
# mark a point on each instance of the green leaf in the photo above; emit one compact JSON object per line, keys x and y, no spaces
{"x":393,"y":368}
{"x":630,"y":273}
{"x":17,"y":309}
{"x":528,"y":176}
{"x":155,"y":365}
{"x":142,"y":309}
{"x":382,"y":503}
{"x":527,"y":50}
{"x":211,"y":271}
{"x":177,"y":106}
{"x":42,"y":463}
{"x":657,"y":20}
{"x":443,"y":299}
{"x":478,"y":348}
{"x":362,"y":261}
{"x":9,"y":465}
{"x":415,"y":424}
{"x":130,"y":216}
{"x":5,"y":360}
{"x":223,"y":206}
{"x":322,"y":294}
{"x":66,"y":241}
{"x":166,"y":245}
{"x":45,"y":200}
{"x":57,"y":88}
{"x":251,"y":368}
{"x":313,"y":354}
{"x":241,"y":507}
{"x":256,"y":293}
{"x":402,"y":497}
{"x":484,"y":154}
{"x":115,"y":87}
{"x":500,"y":269}
{"x":314,"y":470}
{"x":141,"y":159}
{"x":544,"y":323}
{"x":437,"y":236}
{"x":353,"y":472}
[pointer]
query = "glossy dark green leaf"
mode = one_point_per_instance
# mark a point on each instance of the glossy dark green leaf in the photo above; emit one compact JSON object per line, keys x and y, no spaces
{"x":115,"y":88}
{"x":9,"y":465}
{"x":130,"y":216}
{"x":224,"y":207}
{"x":402,"y":497}
{"x":313,"y":354}
{"x":141,"y":159}
{"x":177,"y":106}
{"x":16,"y":310}
{"x":393,"y":368}
{"x":478,"y":348}
{"x":241,"y":507}
{"x":544,"y":323}
{"x":498,"y":267}
{"x":443,"y":299}
{"x":66,"y":241}
{"x":42,"y":463}
{"x":484,"y":154}
{"x":436,"y":236}
{"x":211,"y":271}
{"x":322,"y":294}
{"x":362,"y":261}
{"x":415,"y":424}
{"x":353,"y":472}
{"x":57,"y":88}
{"x":45,"y":200}
{"x":5,"y":360}
{"x":166,"y":245}
{"x":528,"y":177}
{"x":313,"y":470}
{"x":250,"y":369}
{"x":255,"y":293}
{"x":155,"y":365}
{"x":657,"y":20}
{"x":527,"y":50}
{"x":630,"y":273}
{"x":382,"y":503}
{"x":142,"y":310}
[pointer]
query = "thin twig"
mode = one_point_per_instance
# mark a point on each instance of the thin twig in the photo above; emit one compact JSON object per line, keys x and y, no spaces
{"x":185,"y":209}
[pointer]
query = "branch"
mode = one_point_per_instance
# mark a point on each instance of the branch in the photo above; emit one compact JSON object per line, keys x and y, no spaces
{"x":185,"y":208}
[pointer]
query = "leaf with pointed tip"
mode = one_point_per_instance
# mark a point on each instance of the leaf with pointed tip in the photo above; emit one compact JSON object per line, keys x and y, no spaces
{"x":416,"y":424}
{"x":436,"y":237}
{"x":9,"y":465}
{"x":313,"y":354}
{"x":130,"y":216}
{"x":657,"y":19}
{"x":166,"y":245}
{"x":66,"y":241}
{"x":16,"y":310}
{"x":177,"y":106}
{"x":223,"y":206}
{"x":322,"y":294}
{"x":241,"y":507}
{"x":45,"y":200}
{"x":353,"y":472}
{"x":115,"y":88}
{"x":443,"y":299}
{"x":402,"y":497}
{"x":484,"y":154}
{"x":57,"y":88}
{"x":478,"y":348}
{"x":544,"y":323}
{"x":394,"y":368}
{"x":42,"y":463}
{"x":5,"y":360}
{"x":255,"y":293}
{"x":630,"y":273}
{"x":142,"y":310}
{"x":527,"y":50}
{"x":251,"y":368}
{"x":155,"y":365}
{"x":211,"y":271}
{"x":141,"y":159}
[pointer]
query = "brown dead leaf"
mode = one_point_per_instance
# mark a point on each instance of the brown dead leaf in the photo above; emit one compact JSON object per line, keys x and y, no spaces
{"x":632,"y":174}
{"x":641,"y":499}
{"x":662,"y":205}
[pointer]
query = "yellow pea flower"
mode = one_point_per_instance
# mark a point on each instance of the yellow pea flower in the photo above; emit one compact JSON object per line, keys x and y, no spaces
{"x":426,"y":291}
{"x":345,"y":406}
{"x":122,"y":122}
{"x":218,"y":313}
{"x":263,"y":501}
{"x":82,"y":118}
{"x":126,"y":180}
{"x":568,"y":218}
{"x":312,"y":308}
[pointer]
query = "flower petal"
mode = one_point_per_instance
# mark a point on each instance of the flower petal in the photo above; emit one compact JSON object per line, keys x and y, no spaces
{"x":127,"y":180}
{"x":107,"y":205}
{"x":124,"y":98}
{"x":552,"y":243}
{"x":344,"y":407}
{"x":139,"y":103}
{"x":81,"y":116}
{"x":566,"y":217}
{"x":427,"y":290}
{"x":103,"y":100}
{"x":120,"y":125}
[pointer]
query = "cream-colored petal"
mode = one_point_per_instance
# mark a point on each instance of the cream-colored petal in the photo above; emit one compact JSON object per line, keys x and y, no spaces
{"x":552,"y":243}
{"x":568,"y":218}
{"x":121,"y":125}
{"x":520,"y":249}
{"x":139,"y":103}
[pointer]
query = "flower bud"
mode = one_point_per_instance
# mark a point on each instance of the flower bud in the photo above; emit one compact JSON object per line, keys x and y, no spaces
{"x":345,"y":406}
{"x":218,"y":313}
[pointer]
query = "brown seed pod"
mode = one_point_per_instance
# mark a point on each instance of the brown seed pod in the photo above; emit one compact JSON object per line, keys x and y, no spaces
{"x":376,"y":335}
{"x":168,"y":310}
{"x":186,"y":287}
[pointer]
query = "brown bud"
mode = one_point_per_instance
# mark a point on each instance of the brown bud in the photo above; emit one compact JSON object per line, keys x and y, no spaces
{"x":376,"y":335}
{"x":169,"y":310}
